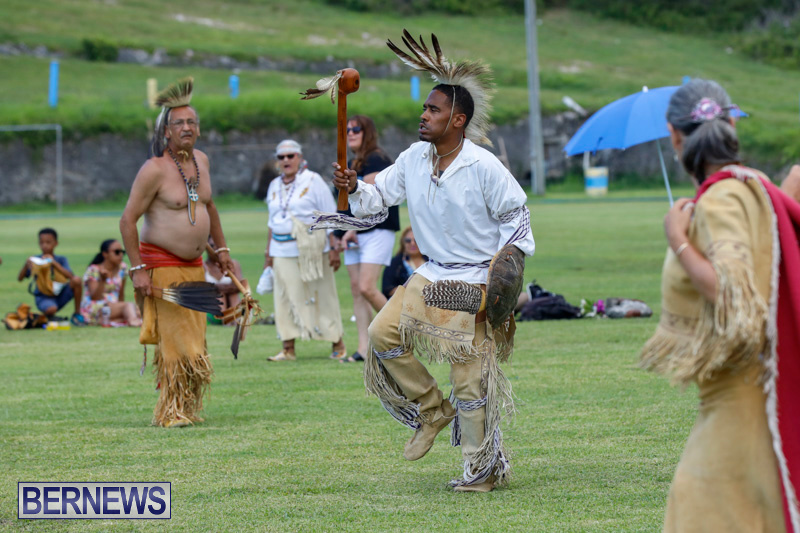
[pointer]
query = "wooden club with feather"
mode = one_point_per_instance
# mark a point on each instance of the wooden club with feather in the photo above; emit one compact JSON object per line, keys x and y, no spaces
{"x":243,"y":313}
{"x":344,"y":82}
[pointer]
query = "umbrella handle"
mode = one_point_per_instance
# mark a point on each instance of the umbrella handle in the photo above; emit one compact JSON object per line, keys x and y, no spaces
{"x":664,"y":172}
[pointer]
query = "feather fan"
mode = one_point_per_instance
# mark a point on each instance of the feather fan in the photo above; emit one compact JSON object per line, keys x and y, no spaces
{"x":196,"y":295}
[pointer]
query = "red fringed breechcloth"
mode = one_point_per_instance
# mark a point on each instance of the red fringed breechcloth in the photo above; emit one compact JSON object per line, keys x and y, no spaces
{"x":783,"y":391}
{"x":155,"y":256}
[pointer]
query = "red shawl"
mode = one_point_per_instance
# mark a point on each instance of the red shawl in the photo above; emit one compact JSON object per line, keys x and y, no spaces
{"x":783,"y":386}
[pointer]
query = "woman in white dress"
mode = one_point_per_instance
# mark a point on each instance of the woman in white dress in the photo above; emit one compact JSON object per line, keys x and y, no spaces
{"x":303,"y":262}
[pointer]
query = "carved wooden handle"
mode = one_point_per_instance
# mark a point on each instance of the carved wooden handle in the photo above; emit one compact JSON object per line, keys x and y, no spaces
{"x":341,"y":149}
{"x":348,"y":83}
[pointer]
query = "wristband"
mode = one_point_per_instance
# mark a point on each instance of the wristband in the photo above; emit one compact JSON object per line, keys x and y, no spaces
{"x":134,"y":269}
{"x":218,"y":250}
{"x":681,"y":249}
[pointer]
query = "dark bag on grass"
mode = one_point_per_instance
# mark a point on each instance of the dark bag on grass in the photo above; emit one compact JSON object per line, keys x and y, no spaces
{"x":552,"y":307}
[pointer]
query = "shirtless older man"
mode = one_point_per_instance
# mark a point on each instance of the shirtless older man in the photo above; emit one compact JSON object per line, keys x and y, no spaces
{"x":173,"y":192}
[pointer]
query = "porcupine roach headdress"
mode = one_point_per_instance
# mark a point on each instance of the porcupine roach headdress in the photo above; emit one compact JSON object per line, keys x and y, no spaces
{"x":178,"y":94}
{"x":473,"y":76}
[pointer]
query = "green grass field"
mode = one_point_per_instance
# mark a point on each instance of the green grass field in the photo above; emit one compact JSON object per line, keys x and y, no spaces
{"x":594,"y":61}
{"x":298,"y":447}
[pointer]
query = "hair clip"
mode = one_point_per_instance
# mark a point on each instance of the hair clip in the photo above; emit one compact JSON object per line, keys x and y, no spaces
{"x":705,"y":110}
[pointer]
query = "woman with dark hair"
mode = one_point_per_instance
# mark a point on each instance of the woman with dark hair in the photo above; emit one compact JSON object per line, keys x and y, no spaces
{"x":724,"y":326}
{"x":367,"y":251}
{"x":104,"y":286}
{"x":404,"y":263}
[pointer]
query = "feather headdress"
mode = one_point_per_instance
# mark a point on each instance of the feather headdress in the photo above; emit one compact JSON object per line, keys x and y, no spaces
{"x":178,"y":94}
{"x":474,"y":76}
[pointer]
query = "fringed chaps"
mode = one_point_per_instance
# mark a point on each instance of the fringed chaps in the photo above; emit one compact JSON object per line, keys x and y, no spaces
{"x":379,"y":382}
{"x":491,"y":458}
{"x":485,"y":393}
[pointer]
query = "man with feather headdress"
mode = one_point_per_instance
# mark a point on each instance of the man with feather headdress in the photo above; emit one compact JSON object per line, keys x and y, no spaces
{"x":173,"y":192}
{"x":468,"y":213}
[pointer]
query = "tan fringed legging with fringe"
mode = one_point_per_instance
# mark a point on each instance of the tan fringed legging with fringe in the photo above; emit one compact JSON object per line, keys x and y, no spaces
{"x":182,"y":365}
{"x":418,"y":386}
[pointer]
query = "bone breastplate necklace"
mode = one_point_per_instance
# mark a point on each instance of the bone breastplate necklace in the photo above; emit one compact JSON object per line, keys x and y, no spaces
{"x":191,"y":187}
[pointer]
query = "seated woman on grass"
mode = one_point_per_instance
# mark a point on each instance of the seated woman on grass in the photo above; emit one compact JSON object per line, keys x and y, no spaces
{"x":104,"y":286}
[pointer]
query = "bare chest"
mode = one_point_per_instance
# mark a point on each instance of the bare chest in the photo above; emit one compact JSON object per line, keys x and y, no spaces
{"x":175,"y":192}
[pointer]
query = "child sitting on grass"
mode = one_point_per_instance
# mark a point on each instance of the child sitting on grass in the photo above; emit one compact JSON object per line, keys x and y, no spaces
{"x":55,"y":284}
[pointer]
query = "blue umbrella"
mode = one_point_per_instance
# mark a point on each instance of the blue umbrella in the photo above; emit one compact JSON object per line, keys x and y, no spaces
{"x":638,"y":118}
{"x":634,"y":119}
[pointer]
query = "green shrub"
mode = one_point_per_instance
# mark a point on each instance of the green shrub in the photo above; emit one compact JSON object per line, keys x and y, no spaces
{"x":99,"y":50}
{"x":685,"y":16}
{"x":777,"y":44}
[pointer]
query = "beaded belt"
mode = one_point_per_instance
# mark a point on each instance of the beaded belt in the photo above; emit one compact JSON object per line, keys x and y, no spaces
{"x":283,"y":237}
{"x":457,"y":266}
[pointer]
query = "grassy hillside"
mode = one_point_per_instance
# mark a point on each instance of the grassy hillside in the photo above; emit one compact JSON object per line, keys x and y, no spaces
{"x":592,"y":60}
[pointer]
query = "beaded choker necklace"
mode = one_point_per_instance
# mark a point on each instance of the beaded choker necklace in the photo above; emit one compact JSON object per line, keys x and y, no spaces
{"x":191,"y":187}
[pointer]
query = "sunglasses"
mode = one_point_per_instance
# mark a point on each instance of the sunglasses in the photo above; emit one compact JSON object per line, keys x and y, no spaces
{"x":286,"y":156}
{"x":354,"y":129}
{"x":118,"y":252}
{"x":408,"y":241}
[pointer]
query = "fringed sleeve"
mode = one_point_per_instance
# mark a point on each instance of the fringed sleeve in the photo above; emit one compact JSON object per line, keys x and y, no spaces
{"x":731,"y":332}
{"x":697,"y":338}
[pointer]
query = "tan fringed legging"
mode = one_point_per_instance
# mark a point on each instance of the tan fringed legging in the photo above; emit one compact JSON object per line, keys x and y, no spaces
{"x":419,"y":386}
{"x":182,"y":365}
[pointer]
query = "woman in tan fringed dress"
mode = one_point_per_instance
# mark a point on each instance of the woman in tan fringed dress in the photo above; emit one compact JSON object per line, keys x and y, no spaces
{"x":306,"y":301}
{"x":717,"y":285}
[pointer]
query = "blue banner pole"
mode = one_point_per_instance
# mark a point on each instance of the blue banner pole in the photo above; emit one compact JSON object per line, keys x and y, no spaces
{"x":52,"y":97}
{"x":415,"y":88}
{"x":233,"y":84}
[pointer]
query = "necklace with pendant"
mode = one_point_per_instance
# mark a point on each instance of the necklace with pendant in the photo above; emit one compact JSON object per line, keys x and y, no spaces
{"x":435,"y":174}
{"x":285,"y":205}
{"x":436,"y":158}
{"x":191,"y":187}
